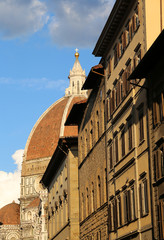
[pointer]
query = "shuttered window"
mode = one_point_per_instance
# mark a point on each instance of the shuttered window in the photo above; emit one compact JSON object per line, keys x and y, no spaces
{"x":110,"y":218}
{"x":143,"y":197}
{"x":111,"y":156}
{"x":140,"y":199}
{"x":133,"y":203}
{"x":123,"y":142}
{"x":130,"y":134}
{"x":114,"y":205}
{"x":116,"y":148}
{"x":161,"y":219}
{"x":124,"y":80}
{"x":141,"y":125}
{"x":146,"y":209}
{"x":119,"y":212}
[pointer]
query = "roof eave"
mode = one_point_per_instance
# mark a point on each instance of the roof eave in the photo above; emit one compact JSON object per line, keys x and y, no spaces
{"x":114,"y":20}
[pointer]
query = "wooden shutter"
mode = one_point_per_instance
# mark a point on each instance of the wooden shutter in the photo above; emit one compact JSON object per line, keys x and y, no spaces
{"x":155,"y":113}
{"x":146,"y":197}
{"x":111,"y":105}
{"x":141,"y":125}
{"x":116,"y":148}
{"x":124,"y":83}
{"x":129,"y":205}
{"x":133,"y":23}
{"x":118,"y":93}
{"x":116,"y":215}
{"x":109,"y":66}
{"x":111,"y":157}
{"x":162,"y":99}
{"x":140,"y":200}
{"x":118,"y":51}
{"x":124,"y":42}
{"x":109,"y":218}
{"x":120,"y":212}
{"x":130,"y":135}
{"x":107,"y":110}
{"x":157,"y":164}
{"x":113,"y":99}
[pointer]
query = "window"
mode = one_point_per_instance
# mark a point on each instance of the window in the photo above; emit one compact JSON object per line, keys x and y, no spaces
{"x":127,"y":34}
{"x":116,"y":55}
{"x":118,"y":91}
{"x":116,"y":149}
{"x":109,"y":66}
{"x":82,"y":206}
{"x":161,"y":218}
{"x":159,"y":162}
{"x":92,"y":198}
{"x":123,"y":142}
{"x":158,"y":109}
{"x":124,"y":40}
{"x":143,"y":196}
{"x":141,"y":125}
{"x":86,"y":142}
{"x":98,"y":127}
{"x":87,"y":202}
{"x":107,"y":109}
{"x":99,"y":192}
{"x":128,"y":72}
{"x":127,"y":206}
{"x":130,"y":133}
{"x":98,"y":130}
{"x":114,"y":207}
{"x":111,"y":156}
{"x":119,"y":211}
{"x":91,"y":134}
{"x":124,"y":82}
{"x":133,"y":203}
{"x":110,"y":217}
{"x":121,"y":46}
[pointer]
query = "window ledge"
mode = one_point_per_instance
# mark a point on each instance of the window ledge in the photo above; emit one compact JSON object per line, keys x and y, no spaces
{"x":141,"y":142}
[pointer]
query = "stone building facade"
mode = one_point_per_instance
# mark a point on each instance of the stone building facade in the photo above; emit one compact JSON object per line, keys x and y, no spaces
{"x":61,"y":180}
{"x":151,"y":68}
{"x":89,"y":117}
{"x":126,"y":36}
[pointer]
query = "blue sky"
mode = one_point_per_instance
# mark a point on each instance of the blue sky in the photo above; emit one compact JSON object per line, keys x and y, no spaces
{"x":37,"y":45}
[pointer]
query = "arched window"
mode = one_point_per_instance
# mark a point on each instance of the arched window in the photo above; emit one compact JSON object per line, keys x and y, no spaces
{"x":99,"y":192}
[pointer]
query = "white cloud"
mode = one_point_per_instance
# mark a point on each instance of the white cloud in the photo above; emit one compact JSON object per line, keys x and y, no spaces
{"x":36,"y":83}
{"x":70,"y":22}
{"x":21,"y":17}
{"x":10,"y":182}
{"x":78,"y":22}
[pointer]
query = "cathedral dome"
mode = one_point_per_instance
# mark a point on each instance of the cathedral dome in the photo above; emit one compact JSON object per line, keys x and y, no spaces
{"x":49,"y":127}
{"x":10,"y":214}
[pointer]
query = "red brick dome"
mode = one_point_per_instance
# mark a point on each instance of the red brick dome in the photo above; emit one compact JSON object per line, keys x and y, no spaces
{"x":45,"y":134}
{"x":10,"y":214}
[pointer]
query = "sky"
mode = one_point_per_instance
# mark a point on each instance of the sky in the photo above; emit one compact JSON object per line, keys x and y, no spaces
{"x":37,"y":45}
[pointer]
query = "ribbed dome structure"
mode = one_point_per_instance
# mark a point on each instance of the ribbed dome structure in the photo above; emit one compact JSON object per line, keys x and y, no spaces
{"x":50,"y":126}
{"x":10,"y":214}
